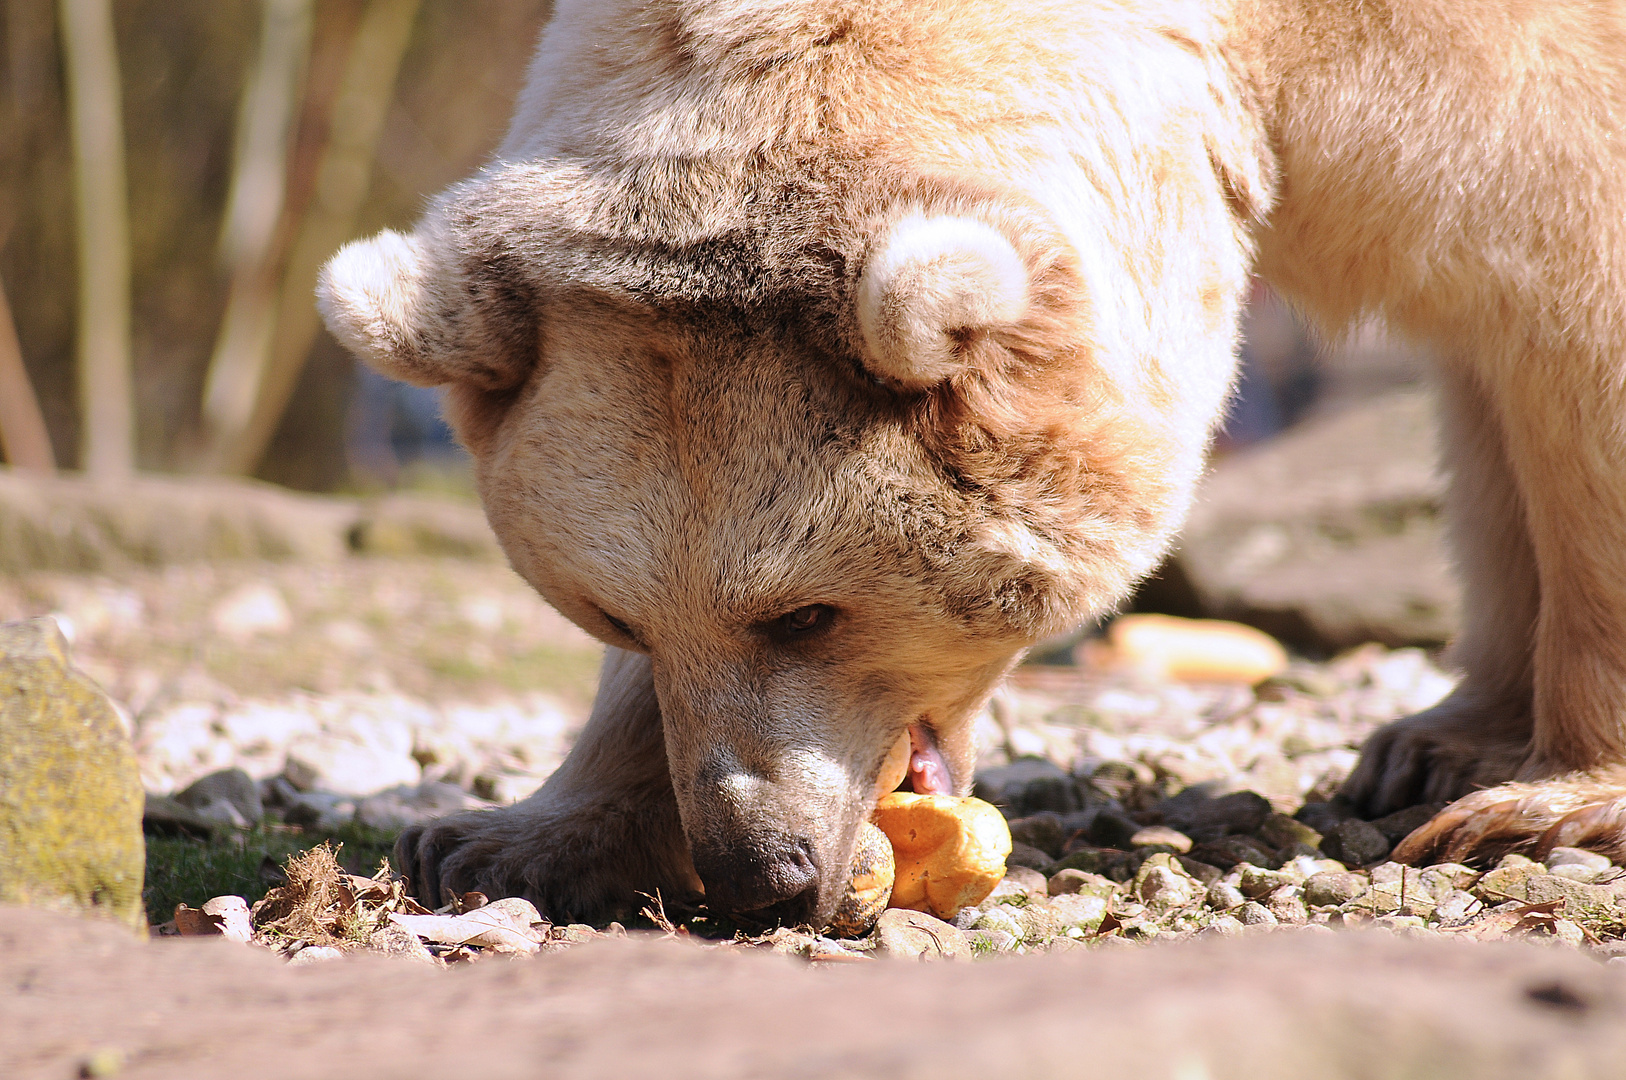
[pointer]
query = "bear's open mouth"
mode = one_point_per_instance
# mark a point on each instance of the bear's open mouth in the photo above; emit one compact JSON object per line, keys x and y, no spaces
{"x":928,"y":772}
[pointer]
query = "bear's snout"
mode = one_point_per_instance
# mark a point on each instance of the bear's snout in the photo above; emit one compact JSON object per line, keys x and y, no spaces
{"x":773,"y":878}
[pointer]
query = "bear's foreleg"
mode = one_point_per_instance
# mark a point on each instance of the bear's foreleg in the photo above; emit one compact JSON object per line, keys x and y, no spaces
{"x":1480,"y":734}
{"x":599,"y":835}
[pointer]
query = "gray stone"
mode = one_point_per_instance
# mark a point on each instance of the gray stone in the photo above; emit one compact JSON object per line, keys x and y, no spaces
{"x":914,"y":935}
{"x":1402,"y":823}
{"x":403,"y":806}
{"x":1281,"y":831}
{"x":320,"y":810}
{"x":1163,"y":884}
{"x":1207,"y":873}
{"x":1030,"y":857}
{"x":1332,"y":889}
{"x":1043,"y":831}
{"x":1107,"y":862}
{"x":994,"y":917}
{"x":230,"y":796}
{"x":1253,"y":913}
{"x":1224,"y":897}
{"x":1230,"y":851}
{"x":161,"y":815}
{"x":1256,"y":881}
{"x":1203,"y":816}
{"x":1112,"y":829}
{"x":1222,"y":926}
{"x":1287,"y":905}
{"x":1161,"y":836}
{"x":1022,"y":879}
{"x":1329,"y":535}
{"x":986,"y":942}
{"x":70,"y":791}
{"x":1028,"y":785}
{"x":1355,"y":843}
{"x":1457,"y":907}
{"x":1508,"y":880}
{"x":1569,"y":856}
{"x":1322,"y":816}
{"x":1070,"y":881}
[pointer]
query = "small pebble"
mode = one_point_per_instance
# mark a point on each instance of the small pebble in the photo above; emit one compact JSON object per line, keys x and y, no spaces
{"x":1568,"y":856}
{"x":1355,"y":843}
{"x":1257,"y":881}
{"x":1569,"y":933}
{"x":1222,"y":926}
{"x":1578,"y":872}
{"x":1254,"y":913}
{"x":315,"y":954}
{"x":1287,"y":905}
{"x":1280,"y":831}
{"x":1070,"y":881}
{"x":1223,"y":897}
{"x":1161,"y":836}
{"x":984,"y":942}
{"x":1456,"y":907}
{"x":1331,"y":889}
{"x":1166,"y":888}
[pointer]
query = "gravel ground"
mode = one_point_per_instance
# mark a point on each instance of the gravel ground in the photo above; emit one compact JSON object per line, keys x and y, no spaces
{"x":387,"y":691}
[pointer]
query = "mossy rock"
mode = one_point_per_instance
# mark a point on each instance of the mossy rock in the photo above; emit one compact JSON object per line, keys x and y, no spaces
{"x":70,"y":791}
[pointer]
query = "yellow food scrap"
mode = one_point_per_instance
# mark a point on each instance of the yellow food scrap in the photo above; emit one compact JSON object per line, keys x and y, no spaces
{"x":949,"y":852}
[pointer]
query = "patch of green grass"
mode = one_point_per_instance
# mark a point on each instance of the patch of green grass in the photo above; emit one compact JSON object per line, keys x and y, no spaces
{"x":185,"y":871}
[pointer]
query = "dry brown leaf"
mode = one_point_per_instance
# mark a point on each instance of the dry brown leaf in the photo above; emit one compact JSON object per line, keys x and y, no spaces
{"x":1512,"y":922}
{"x":483,"y":927}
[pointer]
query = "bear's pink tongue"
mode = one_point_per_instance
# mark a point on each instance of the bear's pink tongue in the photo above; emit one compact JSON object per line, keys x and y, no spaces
{"x":928,"y":772}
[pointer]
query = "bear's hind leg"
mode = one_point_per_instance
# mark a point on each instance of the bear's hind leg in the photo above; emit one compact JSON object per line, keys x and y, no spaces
{"x":1480,"y":733}
{"x":602,"y":832}
{"x":1562,"y":416}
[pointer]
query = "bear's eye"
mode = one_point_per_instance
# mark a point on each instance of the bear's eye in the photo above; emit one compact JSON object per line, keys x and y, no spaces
{"x":805,"y":620}
{"x":619,"y":625}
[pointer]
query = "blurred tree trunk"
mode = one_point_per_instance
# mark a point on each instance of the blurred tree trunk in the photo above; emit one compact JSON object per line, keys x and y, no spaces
{"x":249,"y":239}
{"x":342,"y":182}
{"x":23,"y":438}
{"x":106,"y":404}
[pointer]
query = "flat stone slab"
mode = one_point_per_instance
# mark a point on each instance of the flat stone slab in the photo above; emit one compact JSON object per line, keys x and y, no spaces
{"x":1286,"y":1005}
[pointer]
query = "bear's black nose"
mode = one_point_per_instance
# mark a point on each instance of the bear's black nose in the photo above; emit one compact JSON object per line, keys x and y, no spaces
{"x":771,"y":879}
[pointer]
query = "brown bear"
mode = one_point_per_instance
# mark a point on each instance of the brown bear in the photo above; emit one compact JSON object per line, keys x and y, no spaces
{"x":820,"y":356}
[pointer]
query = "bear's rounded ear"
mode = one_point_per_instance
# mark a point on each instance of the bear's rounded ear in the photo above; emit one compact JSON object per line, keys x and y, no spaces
{"x":417,"y":309}
{"x":931,"y":284}
{"x":370,"y":294}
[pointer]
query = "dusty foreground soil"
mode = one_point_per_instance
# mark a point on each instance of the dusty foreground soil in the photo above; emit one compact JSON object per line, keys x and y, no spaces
{"x":80,"y":998}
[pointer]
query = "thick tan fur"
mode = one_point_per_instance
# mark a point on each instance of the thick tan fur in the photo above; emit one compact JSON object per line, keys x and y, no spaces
{"x":918,"y":316}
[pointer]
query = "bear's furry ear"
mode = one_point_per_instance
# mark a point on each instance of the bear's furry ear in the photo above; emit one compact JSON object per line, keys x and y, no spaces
{"x":930,"y":285}
{"x":409,"y":307}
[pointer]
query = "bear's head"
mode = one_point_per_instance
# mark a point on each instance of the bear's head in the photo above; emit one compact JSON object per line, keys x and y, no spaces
{"x":830,"y":446}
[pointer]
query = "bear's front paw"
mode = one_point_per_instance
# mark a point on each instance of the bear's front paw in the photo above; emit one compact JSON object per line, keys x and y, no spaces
{"x":445,"y":858}
{"x":1585,"y":810}
{"x":591,"y":864}
{"x":1436,"y":756}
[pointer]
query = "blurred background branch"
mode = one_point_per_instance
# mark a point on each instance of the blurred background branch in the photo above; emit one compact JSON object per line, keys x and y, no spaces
{"x":97,"y":118}
{"x":254,"y":209}
{"x":342,"y":182}
{"x":23,"y":438}
{"x":257,"y":136}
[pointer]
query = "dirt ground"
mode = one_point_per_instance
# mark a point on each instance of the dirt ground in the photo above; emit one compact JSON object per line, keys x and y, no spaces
{"x":82,"y":999}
